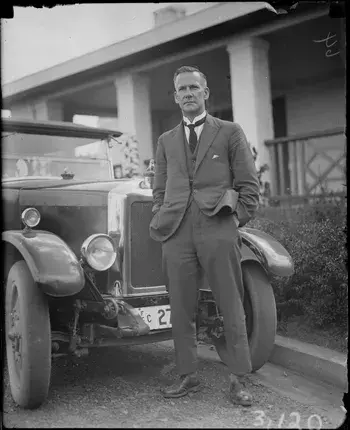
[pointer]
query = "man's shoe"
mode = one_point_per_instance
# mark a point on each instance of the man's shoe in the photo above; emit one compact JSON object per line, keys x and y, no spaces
{"x":239,"y":396}
{"x":187,"y":384}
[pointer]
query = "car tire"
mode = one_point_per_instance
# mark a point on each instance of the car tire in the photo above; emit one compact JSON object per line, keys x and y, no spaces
{"x":28,"y":338}
{"x":261,"y":316}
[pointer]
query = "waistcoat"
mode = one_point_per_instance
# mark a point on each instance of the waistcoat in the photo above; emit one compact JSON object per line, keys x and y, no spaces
{"x":191,"y":163}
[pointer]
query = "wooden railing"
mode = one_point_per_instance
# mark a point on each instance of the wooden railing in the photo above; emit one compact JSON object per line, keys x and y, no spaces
{"x":293,"y":161}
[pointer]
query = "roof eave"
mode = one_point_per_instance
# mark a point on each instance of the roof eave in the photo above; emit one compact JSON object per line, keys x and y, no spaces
{"x":129,"y":51}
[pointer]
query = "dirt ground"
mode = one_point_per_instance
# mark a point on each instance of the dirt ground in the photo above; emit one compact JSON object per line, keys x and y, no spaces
{"x":119,"y":388}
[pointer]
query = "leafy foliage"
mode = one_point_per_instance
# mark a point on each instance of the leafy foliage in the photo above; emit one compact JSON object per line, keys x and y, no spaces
{"x":315,"y":236}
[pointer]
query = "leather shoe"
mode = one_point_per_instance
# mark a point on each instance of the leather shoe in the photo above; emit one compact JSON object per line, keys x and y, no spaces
{"x":239,"y":396}
{"x":187,"y":384}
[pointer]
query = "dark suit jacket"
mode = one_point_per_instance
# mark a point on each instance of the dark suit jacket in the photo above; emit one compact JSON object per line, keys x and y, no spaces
{"x":224,"y":176}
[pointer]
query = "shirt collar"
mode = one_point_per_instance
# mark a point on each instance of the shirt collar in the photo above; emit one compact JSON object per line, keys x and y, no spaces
{"x":197,"y":118}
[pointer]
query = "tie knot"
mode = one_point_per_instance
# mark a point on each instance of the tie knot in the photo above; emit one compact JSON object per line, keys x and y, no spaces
{"x":196,"y":124}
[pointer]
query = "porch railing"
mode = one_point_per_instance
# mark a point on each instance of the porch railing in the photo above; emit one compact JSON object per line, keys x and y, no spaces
{"x":308,"y":164}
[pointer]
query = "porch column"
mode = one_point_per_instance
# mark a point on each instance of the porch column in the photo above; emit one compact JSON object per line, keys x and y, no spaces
{"x":251,"y":94}
{"x":134,"y":111}
{"x":48,"y":110}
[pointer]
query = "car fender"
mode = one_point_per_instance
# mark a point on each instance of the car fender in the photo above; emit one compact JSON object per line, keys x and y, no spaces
{"x":274,"y":257}
{"x":53,"y":265}
{"x":248,"y":255}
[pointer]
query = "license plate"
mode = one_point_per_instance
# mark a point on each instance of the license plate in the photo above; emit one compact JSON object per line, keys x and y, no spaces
{"x":157,"y":317}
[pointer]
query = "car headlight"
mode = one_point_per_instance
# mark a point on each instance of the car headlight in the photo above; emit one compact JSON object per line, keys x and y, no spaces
{"x":99,"y":252}
{"x":30,"y":217}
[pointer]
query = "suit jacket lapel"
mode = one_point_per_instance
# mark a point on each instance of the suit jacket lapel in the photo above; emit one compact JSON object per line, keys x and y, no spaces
{"x":209,"y":132}
{"x":178,"y":137}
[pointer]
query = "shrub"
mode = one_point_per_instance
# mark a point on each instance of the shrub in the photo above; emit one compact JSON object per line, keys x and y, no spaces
{"x":315,"y":237}
{"x":263,"y":186}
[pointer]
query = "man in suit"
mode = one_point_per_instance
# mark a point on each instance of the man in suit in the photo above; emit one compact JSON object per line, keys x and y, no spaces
{"x":205,"y":186}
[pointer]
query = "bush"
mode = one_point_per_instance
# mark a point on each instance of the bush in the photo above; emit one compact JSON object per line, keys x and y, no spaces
{"x":315,"y":236}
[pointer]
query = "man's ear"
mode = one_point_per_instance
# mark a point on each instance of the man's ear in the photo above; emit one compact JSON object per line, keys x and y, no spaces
{"x":206,"y":93}
{"x":176,"y":98}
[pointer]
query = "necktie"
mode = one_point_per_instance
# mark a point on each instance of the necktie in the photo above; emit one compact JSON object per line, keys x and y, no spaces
{"x":193,"y":136}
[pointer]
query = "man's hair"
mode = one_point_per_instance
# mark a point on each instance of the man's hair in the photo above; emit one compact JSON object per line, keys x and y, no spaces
{"x":189,"y":69}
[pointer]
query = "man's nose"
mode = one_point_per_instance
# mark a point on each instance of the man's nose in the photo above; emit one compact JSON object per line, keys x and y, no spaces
{"x":188,"y":92}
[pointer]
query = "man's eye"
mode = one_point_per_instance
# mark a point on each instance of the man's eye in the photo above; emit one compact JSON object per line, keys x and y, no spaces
{"x":192,"y":87}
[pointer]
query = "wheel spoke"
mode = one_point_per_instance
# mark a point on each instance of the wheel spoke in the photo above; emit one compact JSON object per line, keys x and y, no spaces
{"x":14,"y":299}
{"x":12,"y":335}
{"x":15,"y":331}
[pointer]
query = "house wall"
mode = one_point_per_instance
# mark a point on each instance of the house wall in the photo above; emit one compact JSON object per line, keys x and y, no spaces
{"x":312,"y":83}
{"x":315,"y":97}
{"x":319,"y":107}
{"x":316,"y":107}
{"x":22,"y":110}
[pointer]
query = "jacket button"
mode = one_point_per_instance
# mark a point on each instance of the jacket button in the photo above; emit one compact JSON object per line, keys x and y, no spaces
{"x":194,"y":190}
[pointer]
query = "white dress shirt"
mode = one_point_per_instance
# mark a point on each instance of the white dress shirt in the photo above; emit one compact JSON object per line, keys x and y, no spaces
{"x":198,"y":130}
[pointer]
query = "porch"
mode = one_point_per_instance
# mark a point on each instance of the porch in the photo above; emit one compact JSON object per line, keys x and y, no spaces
{"x":308,"y":164}
{"x":282,"y":81}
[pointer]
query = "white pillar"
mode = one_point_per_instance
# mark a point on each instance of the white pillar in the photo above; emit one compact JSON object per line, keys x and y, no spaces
{"x":134,"y":111}
{"x":251,"y":94}
{"x":48,"y":110}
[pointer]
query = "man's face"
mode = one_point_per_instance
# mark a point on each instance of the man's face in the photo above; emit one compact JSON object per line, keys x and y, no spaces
{"x":190,"y":93}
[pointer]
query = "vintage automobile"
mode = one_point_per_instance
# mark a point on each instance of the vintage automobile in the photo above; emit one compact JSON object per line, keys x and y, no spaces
{"x":80,"y":269}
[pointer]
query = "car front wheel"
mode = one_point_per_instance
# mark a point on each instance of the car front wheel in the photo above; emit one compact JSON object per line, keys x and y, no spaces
{"x":28,"y":338}
{"x":261,"y":316}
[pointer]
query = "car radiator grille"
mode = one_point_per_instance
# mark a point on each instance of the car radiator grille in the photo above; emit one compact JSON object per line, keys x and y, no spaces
{"x":146,"y":254}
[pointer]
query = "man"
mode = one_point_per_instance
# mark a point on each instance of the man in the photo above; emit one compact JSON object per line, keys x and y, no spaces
{"x":205,"y":186}
{"x":118,"y":171}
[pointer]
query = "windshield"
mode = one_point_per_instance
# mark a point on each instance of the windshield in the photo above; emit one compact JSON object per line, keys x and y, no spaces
{"x":37,"y":155}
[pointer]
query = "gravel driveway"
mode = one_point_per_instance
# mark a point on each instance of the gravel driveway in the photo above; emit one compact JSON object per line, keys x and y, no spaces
{"x":120,"y":388}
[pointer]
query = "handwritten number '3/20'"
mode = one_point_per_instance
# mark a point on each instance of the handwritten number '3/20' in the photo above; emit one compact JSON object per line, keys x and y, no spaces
{"x":161,"y":313}
{"x":261,"y":420}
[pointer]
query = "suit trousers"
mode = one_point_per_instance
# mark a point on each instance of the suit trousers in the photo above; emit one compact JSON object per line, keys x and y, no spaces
{"x":207,"y":246}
